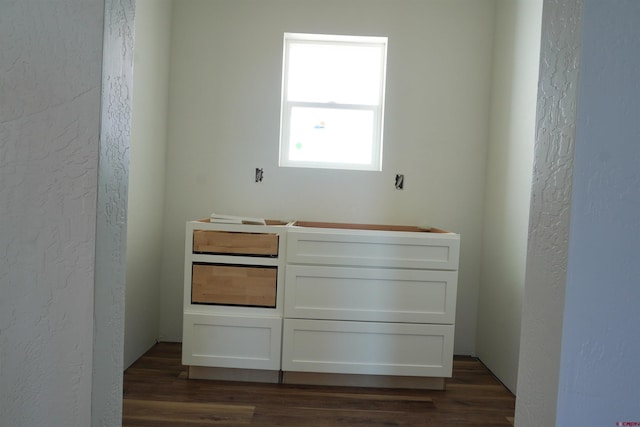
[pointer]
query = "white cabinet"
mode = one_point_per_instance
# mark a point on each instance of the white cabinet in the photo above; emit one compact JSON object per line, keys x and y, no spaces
{"x":369,"y":301}
{"x":346,"y":347}
{"x":395,"y":247}
{"x":233,"y":299}
{"x":320,"y":302}
{"x":233,"y":341}
{"x":370,"y":294}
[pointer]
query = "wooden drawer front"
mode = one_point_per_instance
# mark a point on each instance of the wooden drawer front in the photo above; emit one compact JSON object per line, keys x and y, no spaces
{"x":234,"y":285}
{"x":373,"y":248}
{"x":369,"y":294}
{"x":367,"y":348}
{"x":235,"y":243}
{"x":232,"y":341}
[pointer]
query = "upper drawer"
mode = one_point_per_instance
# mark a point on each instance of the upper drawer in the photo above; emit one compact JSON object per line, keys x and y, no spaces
{"x":373,"y":248}
{"x":235,"y":243}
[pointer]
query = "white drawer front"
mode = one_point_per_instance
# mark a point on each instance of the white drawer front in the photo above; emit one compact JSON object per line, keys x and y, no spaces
{"x":370,"y":294}
{"x":373,"y":248}
{"x":367,"y":348}
{"x":232,"y":342}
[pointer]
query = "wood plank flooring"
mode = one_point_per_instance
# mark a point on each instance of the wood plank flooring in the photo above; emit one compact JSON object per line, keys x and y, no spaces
{"x":158,"y":393}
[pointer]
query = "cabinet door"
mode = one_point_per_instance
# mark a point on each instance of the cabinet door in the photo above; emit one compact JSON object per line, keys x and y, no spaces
{"x":372,"y":248}
{"x":370,"y":294}
{"x":231,"y":341}
{"x":367,"y":348}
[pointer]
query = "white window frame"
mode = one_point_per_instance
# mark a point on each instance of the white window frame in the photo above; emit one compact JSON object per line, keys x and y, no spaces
{"x":377,"y":110}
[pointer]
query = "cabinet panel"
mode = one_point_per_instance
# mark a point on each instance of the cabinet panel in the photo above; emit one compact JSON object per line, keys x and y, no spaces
{"x":232,"y":341}
{"x":234,"y":285}
{"x":367,"y":348}
{"x":237,"y":243}
{"x":372,"y":248}
{"x":368,"y":294}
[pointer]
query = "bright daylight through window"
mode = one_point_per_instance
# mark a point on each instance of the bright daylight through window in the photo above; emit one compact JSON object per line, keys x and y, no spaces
{"x":332,"y":101}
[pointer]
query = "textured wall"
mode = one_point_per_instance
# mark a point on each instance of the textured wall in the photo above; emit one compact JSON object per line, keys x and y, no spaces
{"x":50,"y":58}
{"x":601,"y":338}
{"x":545,"y":280}
{"x":115,"y":134}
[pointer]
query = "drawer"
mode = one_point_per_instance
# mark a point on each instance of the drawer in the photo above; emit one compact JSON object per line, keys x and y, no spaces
{"x":232,"y":341}
{"x":234,"y":285}
{"x":370,"y":294}
{"x":235,"y":243}
{"x":375,"y":248}
{"x":367,"y":348}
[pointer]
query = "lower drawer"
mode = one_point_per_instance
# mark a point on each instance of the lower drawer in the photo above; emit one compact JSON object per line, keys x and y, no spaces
{"x":234,"y":285}
{"x":231,"y":341}
{"x":367,"y":348}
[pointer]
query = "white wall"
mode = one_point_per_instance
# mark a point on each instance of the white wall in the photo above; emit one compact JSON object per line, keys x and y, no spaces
{"x":543,"y":300}
{"x":147,"y":175}
{"x":224,"y":122}
{"x":599,"y":370}
{"x":50,"y":74}
{"x":508,"y":185}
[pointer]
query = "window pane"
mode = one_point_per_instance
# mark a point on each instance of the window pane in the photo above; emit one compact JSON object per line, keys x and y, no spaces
{"x":340,"y":73}
{"x":328,"y":135}
{"x":332,"y":101}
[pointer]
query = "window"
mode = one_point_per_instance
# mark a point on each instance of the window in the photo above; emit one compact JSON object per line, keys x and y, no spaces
{"x":332,"y":101}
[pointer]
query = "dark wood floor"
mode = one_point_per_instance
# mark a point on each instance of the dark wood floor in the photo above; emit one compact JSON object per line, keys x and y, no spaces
{"x":158,"y":393}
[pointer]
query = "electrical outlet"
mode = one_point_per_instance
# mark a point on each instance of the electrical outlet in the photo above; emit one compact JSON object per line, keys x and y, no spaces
{"x":399,"y":182}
